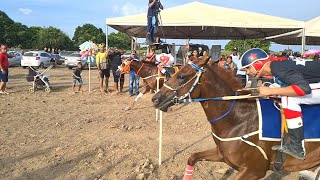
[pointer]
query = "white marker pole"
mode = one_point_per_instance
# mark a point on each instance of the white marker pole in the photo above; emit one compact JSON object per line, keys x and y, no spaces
{"x":89,"y":64}
{"x":160,"y":128}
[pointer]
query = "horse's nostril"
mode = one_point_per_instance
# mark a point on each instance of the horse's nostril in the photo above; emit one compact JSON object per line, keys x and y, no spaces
{"x":155,"y":101}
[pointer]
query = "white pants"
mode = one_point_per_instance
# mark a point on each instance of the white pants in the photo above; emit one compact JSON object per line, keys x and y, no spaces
{"x":292,"y":109}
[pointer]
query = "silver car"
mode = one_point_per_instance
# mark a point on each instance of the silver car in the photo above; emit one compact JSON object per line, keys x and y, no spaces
{"x":15,"y":61}
{"x":72,"y":60}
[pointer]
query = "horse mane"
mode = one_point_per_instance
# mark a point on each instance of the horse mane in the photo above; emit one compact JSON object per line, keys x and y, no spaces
{"x":226,"y":75}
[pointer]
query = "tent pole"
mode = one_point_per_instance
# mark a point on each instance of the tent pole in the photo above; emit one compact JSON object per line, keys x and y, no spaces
{"x":303,"y":40}
{"x":107,"y":36}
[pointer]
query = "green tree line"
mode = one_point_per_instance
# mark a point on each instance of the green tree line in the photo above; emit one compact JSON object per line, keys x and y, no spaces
{"x":17,"y":35}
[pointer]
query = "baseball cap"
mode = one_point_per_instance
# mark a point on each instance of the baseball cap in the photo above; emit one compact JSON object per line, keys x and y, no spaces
{"x":133,"y":52}
{"x":235,"y":49}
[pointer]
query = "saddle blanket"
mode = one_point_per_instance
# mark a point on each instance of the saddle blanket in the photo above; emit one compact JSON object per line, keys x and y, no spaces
{"x":171,"y":70}
{"x":270,"y":121}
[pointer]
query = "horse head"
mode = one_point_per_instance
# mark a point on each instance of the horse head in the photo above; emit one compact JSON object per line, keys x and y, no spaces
{"x":183,"y":84}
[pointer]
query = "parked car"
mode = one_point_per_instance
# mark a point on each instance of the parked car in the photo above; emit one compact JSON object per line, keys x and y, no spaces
{"x":64,"y":54}
{"x":15,"y":61}
{"x":126,"y":55}
{"x":72,"y":60}
{"x":57,"y":60}
{"x":36,"y":59}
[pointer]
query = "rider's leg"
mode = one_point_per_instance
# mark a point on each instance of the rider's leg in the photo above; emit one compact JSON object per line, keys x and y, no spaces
{"x":292,"y":111}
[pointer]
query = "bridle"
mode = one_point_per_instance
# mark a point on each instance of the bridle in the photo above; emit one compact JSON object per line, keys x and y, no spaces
{"x":176,"y":99}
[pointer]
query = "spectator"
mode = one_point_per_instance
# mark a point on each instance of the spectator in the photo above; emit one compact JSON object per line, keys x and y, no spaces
{"x":115,"y":61}
{"x":154,"y":7}
{"x":195,"y":53}
{"x":4,"y":66}
{"x":229,"y":64}
{"x":103,"y":68}
{"x":77,"y":77}
{"x":205,"y":54}
{"x":240,"y":74}
{"x":133,"y":77}
{"x":222,"y":60}
{"x":316,"y":57}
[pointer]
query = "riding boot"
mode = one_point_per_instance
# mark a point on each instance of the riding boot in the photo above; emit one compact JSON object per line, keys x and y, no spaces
{"x":168,"y":76}
{"x":116,"y":87}
{"x":295,"y":147}
{"x":121,"y":86}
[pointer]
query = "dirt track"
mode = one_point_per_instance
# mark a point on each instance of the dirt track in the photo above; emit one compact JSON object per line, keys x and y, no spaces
{"x":81,"y":136}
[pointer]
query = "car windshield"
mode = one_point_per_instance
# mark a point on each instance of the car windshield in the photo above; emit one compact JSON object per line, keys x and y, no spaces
{"x":75,"y":55}
{"x":30,"y":54}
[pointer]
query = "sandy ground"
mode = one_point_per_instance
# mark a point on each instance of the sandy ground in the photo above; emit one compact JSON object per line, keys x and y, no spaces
{"x":58,"y":135}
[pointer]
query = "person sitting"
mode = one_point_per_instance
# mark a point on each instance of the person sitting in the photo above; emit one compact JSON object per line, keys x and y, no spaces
{"x":229,"y":64}
{"x":301,"y":85}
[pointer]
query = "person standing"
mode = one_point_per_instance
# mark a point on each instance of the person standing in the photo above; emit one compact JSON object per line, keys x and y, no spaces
{"x":154,"y":7}
{"x":76,"y":76}
{"x":4,"y":67}
{"x":115,"y":61}
{"x":103,"y":68}
{"x":236,"y":59}
{"x":133,"y":77}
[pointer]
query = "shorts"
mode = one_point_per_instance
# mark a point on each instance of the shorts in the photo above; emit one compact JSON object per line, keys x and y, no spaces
{"x":115,"y":77}
{"x":104,"y":73}
{"x":74,"y":81}
{"x":4,"y":77}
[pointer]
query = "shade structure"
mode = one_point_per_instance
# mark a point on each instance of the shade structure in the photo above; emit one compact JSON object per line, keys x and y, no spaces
{"x":312,"y":34}
{"x":202,"y":21}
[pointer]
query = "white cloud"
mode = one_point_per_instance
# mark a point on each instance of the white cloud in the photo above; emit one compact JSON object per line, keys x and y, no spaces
{"x":25,"y":11}
{"x":128,"y":8}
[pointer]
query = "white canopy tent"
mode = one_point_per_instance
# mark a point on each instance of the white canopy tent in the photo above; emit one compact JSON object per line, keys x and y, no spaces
{"x":202,"y":21}
{"x":312,"y":35}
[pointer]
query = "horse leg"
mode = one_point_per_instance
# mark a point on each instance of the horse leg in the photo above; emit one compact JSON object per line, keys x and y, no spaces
{"x":250,"y":174}
{"x":209,"y":155}
{"x":135,"y":100}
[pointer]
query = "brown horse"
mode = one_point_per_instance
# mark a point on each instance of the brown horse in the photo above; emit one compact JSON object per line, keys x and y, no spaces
{"x":147,"y":71}
{"x":242,"y":120}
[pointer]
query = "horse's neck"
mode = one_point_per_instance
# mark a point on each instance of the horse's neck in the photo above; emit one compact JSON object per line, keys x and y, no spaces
{"x":142,"y":69}
{"x":240,"y":120}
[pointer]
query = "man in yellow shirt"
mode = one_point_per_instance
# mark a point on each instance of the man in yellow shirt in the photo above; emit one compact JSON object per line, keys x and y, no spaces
{"x":103,"y":67}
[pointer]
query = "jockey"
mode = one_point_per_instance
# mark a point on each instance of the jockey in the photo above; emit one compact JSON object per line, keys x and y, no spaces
{"x":164,"y":60}
{"x":301,"y":79}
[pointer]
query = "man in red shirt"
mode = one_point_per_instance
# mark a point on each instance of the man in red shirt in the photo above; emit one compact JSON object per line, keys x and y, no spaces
{"x":4,"y":66}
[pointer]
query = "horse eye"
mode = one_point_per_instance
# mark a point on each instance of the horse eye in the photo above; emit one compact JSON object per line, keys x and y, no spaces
{"x":180,"y":76}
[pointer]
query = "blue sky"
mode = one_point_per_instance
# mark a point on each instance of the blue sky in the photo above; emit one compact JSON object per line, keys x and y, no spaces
{"x":68,"y":14}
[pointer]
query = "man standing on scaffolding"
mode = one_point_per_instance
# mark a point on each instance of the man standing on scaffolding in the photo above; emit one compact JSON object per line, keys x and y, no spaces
{"x":154,"y":7}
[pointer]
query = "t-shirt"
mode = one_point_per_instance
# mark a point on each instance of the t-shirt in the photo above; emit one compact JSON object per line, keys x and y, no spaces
{"x":236,"y":60}
{"x":151,"y":10}
{"x":115,"y":60}
{"x":169,"y":56}
{"x":77,"y":72}
{"x":101,"y":60}
{"x":300,"y":73}
{"x":4,"y":60}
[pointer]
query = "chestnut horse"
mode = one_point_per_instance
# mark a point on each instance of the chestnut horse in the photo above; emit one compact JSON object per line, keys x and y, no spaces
{"x":241,"y":119}
{"x":147,"y":71}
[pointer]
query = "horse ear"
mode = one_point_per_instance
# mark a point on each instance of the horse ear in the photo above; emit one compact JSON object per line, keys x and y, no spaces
{"x":203,"y":61}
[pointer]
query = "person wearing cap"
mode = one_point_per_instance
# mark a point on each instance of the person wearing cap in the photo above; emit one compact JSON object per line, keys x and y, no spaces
{"x":235,"y":58}
{"x":4,"y":67}
{"x":300,"y":84}
{"x":103,"y":67}
{"x":133,"y":77}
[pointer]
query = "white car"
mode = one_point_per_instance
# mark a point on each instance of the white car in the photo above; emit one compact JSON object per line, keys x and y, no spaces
{"x":39,"y":59}
{"x":15,"y":61}
{"x":72,"y":60}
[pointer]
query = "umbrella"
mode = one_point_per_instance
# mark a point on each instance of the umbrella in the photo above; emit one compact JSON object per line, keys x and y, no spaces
{"x":311,"y":52}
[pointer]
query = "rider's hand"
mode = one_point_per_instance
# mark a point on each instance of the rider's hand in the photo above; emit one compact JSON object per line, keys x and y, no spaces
{"x":265,"y":91}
